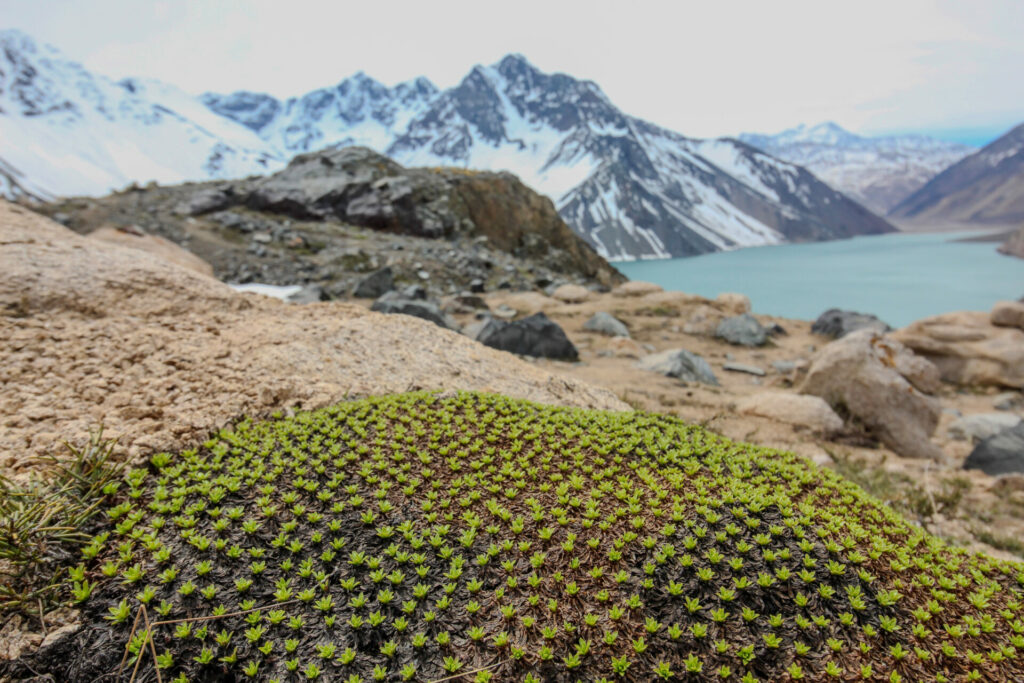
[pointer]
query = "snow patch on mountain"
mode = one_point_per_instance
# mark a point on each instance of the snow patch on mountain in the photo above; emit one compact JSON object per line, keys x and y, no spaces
{"x":67,"y":131}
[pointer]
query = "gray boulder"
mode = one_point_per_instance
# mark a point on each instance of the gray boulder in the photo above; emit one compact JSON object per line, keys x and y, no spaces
{"x":981,"y":426}
{"x":999,"y":454}
{"x":204,"y":201}
{"x":838,"y":323}
{"x":377,"y":283}
{"x":742,"y":330}
{"x":397,"y":302}
{"x":536,"y":336}
{"x":877,"y":381}
{"x":681,"y":364}
{"x":606,"y":323}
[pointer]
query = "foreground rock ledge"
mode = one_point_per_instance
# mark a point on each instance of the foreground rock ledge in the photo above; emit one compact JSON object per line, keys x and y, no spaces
{"x":92,"y":332}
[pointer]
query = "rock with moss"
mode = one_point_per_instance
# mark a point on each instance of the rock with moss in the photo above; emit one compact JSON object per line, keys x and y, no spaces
{"x":419,"y":537}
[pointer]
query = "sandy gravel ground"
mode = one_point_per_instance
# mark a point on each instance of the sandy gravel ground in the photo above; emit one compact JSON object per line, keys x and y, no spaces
{"x":95,"y":333}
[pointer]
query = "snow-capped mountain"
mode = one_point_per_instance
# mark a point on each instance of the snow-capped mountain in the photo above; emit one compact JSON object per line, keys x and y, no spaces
{"x":878,"y":172}
{"x":986,"y":187}
{"x":66,"y":131}
{"x":632,"y":189}
{"x":358,"y":111}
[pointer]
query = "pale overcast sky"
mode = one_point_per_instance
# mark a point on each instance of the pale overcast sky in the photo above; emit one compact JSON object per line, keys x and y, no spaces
{"x":706,"y":68}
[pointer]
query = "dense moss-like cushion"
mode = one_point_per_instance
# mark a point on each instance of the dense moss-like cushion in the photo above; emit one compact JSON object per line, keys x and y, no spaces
{"x":414,"y":537}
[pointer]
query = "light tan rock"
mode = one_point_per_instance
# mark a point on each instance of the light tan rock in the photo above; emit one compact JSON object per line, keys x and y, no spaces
{"x":704,"y":320}
{"x":860,"y":372}
{"x":636,"y":288}
{"x":156,"y":245}
{"x":162,"y":355}
{"x":624,"y":347}
{"x":529,"y":303}
{"x":810,"y":411}
{"x":968,"y":349}
{"x":1008,"y":314}
{"x":732,"y":303}
{"x":572,"y":294}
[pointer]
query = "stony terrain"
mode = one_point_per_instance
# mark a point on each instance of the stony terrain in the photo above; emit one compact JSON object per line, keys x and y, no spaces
{"x":99,"y":332}
{"x":331,"y":218}
{"x":967,"y":505}
{"x":92,"y":333}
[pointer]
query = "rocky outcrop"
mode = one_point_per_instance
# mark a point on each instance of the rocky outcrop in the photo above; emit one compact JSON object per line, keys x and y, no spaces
{"x":681,"y":364}
{"x":359,"y":186}
{"x":163,"y":355}
{"x":877,"y":381}
{"x":1014,"y":244}
{"x":606,"y":323}
{"x":999,"y":454}
{"x":968,"y":349}
{"x":331,"y":218}
{"x":838,"y":323}
{"x":809,"y":411}
{"x":742,"y":330}
{"x":535,"y":336}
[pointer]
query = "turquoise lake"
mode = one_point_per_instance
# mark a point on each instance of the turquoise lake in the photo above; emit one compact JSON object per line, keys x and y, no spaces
{"x":900,"y":277}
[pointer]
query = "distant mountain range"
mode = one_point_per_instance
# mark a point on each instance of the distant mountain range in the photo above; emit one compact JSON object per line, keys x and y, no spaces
{"x":630,"y":188}
{"x":878,"y":172}
{"x":985,"y":187}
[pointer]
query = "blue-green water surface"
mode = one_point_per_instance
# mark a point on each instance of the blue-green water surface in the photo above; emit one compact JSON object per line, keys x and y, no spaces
{"x":899,"y":277}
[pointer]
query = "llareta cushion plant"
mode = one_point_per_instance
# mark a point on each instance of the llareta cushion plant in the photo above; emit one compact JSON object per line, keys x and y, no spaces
{"x":415,"y":537}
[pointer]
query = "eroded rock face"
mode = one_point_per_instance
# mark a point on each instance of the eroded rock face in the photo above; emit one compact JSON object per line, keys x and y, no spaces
{"x":680,"y":363}
{"x":968,"y":349}
{"x":860,"y":373}
{"x":838,"y":323}
{"x":535,"y":336}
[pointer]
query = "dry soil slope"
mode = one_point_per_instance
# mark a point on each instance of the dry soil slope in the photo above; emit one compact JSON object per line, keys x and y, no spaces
{"x":92,"y":332}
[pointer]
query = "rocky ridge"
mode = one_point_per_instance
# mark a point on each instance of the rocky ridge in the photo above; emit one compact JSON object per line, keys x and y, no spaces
{"x":332,"y":218}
